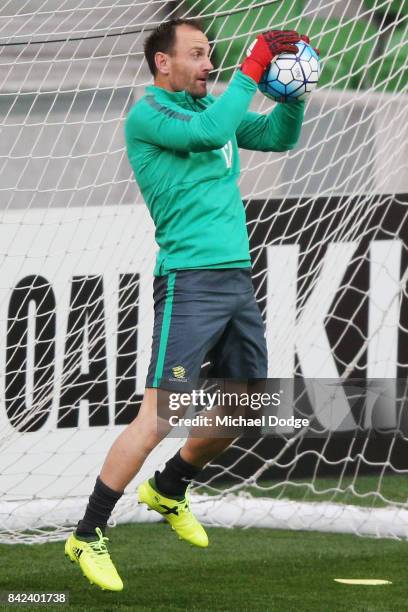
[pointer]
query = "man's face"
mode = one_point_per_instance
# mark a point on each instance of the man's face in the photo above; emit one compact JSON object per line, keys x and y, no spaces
{"x":189,"y":63}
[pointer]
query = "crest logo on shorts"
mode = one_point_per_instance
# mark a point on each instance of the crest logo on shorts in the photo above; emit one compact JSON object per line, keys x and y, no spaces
{"x":178,"y":371}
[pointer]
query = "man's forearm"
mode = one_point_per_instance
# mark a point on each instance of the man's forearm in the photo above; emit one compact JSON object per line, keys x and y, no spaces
{"x":278,"y":131}
{"x":219,"y":122}
{"x":285,"y":124}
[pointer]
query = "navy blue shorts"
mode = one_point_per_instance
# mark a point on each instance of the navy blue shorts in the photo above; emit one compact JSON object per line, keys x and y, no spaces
{"x":205,"y":315}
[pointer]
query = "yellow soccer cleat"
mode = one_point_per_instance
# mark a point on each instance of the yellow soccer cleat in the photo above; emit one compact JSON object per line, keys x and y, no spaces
{"x":176,"y":512}
{"x":94,"y":560}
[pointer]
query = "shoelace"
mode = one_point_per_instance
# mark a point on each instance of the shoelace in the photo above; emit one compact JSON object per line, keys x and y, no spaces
{"x":99,"y":546}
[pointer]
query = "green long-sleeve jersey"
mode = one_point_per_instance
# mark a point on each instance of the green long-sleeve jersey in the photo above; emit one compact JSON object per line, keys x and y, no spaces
{"x":184,"y":154}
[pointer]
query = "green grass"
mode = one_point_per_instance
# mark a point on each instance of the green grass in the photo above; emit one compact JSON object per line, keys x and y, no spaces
{"x":392,"y":487}
{"x":242,"y":570}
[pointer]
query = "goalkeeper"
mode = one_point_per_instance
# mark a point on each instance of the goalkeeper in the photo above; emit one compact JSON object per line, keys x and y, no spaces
{"x":183,"y":147}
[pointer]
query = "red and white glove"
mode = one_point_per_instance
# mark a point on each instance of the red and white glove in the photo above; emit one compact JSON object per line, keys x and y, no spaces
{"x":265,"y":48}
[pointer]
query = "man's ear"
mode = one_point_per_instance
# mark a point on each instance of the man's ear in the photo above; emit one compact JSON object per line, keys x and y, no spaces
{"x":162,"y":62}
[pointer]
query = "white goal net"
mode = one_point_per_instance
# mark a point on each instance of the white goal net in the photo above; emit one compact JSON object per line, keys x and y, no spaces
{"x":328,"y":224}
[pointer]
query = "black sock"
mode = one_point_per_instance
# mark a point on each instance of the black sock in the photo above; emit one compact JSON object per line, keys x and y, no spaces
{"x":99,"y":508}
{"x":175,"y":477}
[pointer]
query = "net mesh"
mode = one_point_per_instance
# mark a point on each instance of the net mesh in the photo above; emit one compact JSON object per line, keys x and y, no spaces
{"x":327,"y":223}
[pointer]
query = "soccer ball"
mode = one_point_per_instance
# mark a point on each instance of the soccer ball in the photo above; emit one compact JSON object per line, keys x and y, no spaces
{"x":291,"y":77}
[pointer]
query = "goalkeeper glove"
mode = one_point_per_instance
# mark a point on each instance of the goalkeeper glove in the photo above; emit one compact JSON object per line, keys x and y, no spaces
{"x":265,"y":48}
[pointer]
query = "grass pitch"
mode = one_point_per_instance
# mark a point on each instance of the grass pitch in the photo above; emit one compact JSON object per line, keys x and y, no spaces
{"x":253,"y":570}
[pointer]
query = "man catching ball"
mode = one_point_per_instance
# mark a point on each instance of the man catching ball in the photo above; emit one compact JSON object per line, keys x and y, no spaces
{"x":183,"y":147}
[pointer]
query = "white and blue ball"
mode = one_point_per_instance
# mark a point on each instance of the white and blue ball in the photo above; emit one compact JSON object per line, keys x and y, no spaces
{"x":291,"y":76}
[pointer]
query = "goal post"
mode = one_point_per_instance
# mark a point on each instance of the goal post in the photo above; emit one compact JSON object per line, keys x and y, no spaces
{"x":328,"y":227}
